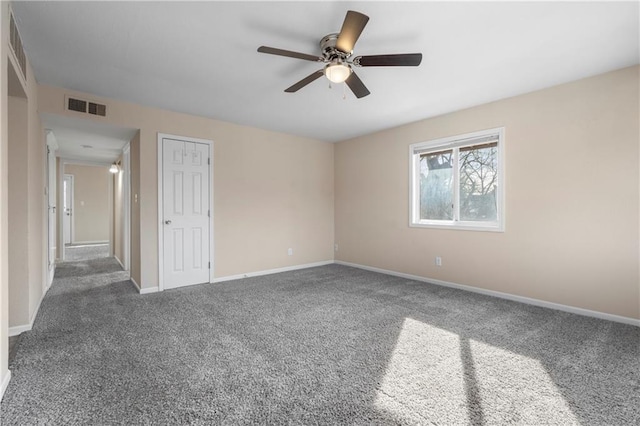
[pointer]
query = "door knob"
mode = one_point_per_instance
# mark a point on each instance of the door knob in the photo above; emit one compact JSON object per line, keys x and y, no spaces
{"x":167,"y":222}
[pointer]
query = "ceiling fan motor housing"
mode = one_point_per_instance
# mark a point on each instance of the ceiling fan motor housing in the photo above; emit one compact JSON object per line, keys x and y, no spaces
{"x":329,"y":50}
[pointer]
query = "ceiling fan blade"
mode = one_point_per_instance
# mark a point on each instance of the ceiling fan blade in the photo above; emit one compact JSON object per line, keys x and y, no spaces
{"x":401,"y":60}
{"x":308,"y":79}
{"x":352,"y":27}
{"x":357,"y":86}
{"x":288,"y":53}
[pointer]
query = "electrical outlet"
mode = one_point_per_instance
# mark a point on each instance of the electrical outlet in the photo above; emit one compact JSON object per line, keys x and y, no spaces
{"x":335,"y":247}
{"x":290,"y":252}
{"x":438,"y":261}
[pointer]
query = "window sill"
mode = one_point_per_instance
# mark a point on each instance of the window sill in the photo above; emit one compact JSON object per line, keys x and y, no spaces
{"x":459,"y":226}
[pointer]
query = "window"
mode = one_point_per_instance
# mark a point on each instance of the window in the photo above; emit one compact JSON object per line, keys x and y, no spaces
{"x":458,"y":183}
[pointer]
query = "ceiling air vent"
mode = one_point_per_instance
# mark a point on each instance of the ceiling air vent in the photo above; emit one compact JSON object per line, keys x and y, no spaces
{"x":97,"y":109}
{"x":77,"y":105}
{"x":87,"y":107}
{"x":16,"y":44}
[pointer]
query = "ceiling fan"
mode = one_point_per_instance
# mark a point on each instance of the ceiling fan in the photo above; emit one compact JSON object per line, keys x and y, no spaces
{"x":337,"y":49}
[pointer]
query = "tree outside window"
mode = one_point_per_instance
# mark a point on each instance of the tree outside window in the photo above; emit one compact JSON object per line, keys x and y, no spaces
{"x":456,"y":182}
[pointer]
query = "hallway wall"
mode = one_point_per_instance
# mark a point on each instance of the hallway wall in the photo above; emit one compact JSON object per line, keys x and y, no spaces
{"x":271,"y":192}
{"x":18,"y":207}
{"x":90,"y":202}
{"x":27,"y":202}
{"x":5,"y":374}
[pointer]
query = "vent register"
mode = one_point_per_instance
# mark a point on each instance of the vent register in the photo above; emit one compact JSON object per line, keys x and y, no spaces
{"x":73,"y":104}
{"x":87,"y":107}
{"x":16,"y":45}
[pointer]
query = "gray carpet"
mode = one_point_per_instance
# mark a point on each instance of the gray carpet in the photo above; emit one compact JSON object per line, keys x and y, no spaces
{"x":83,"y":268}
{"x":84,"y":252}
{"x":327,"y":345}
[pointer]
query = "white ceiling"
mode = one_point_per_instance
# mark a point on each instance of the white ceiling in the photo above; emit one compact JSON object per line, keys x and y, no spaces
{"x":200,"y":57}
{"x":87,"y":141}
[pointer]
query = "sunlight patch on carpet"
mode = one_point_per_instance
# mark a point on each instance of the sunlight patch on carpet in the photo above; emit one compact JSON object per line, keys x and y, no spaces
{"x":435,"y":375}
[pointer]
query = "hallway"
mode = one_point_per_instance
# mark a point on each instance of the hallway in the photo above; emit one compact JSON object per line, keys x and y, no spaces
{"x":91,"y":268}
{"x":74,"y":253}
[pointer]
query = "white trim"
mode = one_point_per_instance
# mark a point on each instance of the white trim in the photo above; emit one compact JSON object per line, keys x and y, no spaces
{"x":454,"y":142}
{"x":112,"y":220}
{"x":501,"y":295}
{"x":72,"y":201}
{"x":118,"y":260}
{"x":51,"y":215}
{"x":88,"y":244}
{"x":5,"y":383}
{"x":126,"y":163}
{"x":272,"y":271}
{"x":159,"y":218}
{"x":149,"y":290}
{"x":18,"y":329}
{"x":144,"y":290}
{"x":135,"y":284}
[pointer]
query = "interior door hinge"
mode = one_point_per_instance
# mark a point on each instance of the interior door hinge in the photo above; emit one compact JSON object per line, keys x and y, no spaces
{"x":209,"y":161}
{"x":209,"y":265}
{"x":209,"y":213}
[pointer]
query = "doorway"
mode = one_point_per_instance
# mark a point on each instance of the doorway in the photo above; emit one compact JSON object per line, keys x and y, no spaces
{"x":185,"y":232}
{"x":89,"y":198}
{"x":51,"y":192}
{"x":67,"y":209}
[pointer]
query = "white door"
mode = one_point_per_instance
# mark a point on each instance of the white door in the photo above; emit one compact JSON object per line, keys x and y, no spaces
{"x":185,"y":212}
{"x":67,"y":198}
{"x":51,"y":211}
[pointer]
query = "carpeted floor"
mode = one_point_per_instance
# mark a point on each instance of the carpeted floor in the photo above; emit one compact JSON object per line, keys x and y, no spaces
{"x":85,"y":251}
{"x":327,"y":345}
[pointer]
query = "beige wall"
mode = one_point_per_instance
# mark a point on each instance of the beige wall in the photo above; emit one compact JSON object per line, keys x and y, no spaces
{"x":37,"y":200}
{"x":18,"y":211}
{"x":271,"y":191}
{"x":91,"y":194}
{"x":26,"y":200}
{"x":572,"y":166}
{"x":4,"y":196}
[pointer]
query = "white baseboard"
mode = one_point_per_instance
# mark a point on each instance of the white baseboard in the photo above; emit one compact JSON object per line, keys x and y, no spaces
{"x":5,"y":383}
{"x":19,"y":329}
{"x":271,"y":271}
{"x":501,"y":295}
{"x":80,"y":244}
{"x":135,"y":284}
{"x":149,"y":290}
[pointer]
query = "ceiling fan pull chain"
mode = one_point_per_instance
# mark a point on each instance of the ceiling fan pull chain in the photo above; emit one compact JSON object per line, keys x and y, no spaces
{"x":344,"y":92}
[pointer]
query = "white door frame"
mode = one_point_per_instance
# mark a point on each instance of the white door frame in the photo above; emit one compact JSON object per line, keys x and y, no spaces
{"x":66,"y":176}
{"x":161,"y":226}
{"x":51,"y":203}
{"x":126,"y":205}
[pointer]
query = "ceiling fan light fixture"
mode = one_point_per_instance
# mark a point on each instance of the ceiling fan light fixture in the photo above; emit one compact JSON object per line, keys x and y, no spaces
{"x":337,"y":72}
{"x":114,"y":168}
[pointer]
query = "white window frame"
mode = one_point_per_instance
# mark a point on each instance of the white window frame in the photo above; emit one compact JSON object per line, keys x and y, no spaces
{"x":458,"y":141}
